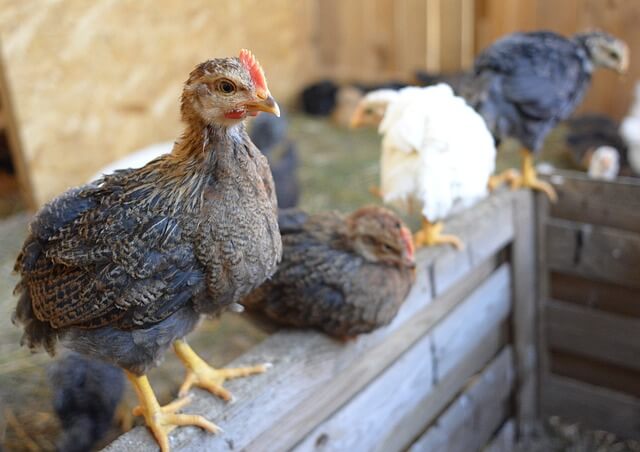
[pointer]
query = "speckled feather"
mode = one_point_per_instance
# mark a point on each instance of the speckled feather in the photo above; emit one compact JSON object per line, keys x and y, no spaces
{"x":324,"y":282}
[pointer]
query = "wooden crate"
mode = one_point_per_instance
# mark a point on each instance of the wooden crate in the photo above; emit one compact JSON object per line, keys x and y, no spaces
{"x":454,"y":371}
{"x":590,"y":302}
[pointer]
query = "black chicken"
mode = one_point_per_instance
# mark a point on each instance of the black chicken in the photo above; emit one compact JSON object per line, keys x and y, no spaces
{"x":125,"y":267}
{"x":86,"y":393}
{"x":269,"y":134}
{"x":525,"y":83}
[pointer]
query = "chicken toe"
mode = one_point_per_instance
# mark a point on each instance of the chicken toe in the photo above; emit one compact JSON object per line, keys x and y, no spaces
{"x":199,"y":373}
{"x":163,"y":419}
{"x":529,"y":178}
{"x":431,"y":235}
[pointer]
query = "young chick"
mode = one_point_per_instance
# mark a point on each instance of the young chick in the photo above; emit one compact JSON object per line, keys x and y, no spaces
{"x":604,"y":163}
{"x":123,"y":268}
{"x":437,"y":154}
{"x":86,"y":393}
{"x":344,"y":275}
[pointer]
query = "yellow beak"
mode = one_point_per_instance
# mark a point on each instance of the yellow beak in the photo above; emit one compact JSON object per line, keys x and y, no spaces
{"x":268,"y":105}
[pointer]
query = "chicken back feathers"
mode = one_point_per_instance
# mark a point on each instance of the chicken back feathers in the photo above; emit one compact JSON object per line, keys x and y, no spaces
{"x":436,"y":150}
{"x":342,"y":275}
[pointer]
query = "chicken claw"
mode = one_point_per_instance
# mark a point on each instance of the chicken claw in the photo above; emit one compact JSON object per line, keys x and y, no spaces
{"x":509,"y":176}
{"x":431,"y":235}
{"x":201,"y":374}
{"x":163,"y":419}
{"x":529,"y":178}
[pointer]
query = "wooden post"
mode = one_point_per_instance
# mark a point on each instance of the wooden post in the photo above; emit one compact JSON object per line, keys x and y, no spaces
{"x":524,"y":326}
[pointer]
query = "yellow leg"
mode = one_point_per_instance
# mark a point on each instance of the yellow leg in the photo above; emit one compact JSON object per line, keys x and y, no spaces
{"x":199,"y":373}
{"x":431,"y":234}
{"x":162,"y":419}
{"x":529,"y":178}
{"x":376,"y":191}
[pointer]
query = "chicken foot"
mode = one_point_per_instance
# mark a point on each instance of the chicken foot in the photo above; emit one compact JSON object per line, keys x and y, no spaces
{"x":201,"y":374}
{"x":162,"y":419}
{"x":508,"y":175}
{"x":529,"y":178}
{"x":431,"y":234}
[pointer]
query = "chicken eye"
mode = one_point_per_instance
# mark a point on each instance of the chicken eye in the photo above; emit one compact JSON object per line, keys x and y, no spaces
{"x":226,"y":87}
{"x":387,"y":248}
{"x":613,"y":55}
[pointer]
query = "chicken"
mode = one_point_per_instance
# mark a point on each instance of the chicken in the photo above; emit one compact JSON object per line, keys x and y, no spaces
{"x":344,"y":275}
{"x":436,"y":153}
{"x":630,"y":131}
{"x":526,"y":83}
{"x":596,"y":146}
{"x":123,"y":268}
{"x":86,"y":393}
{"x":269,"y":134}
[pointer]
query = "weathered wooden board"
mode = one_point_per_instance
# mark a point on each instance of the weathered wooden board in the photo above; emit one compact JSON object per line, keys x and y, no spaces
{"x":93,"y":81}
{"x":600,"y":295}
{"x":606,"y":337}
{"x":596,"y":407}
{"x":525,"y":285}
{"x":487,"y":307}
{"x":375,"y":413}
{"x":595,"y":372}
{"x":596,"y":252}
{"x":584,"y":200}
{"x":470,"y":421}
{"x":504,"y":440}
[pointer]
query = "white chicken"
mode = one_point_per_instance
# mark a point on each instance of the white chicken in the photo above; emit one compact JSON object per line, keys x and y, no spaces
{"x":436,"y":152}
{"x":630,"y":131}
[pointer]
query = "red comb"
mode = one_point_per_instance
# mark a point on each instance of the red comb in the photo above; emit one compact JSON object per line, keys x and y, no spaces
{"x":254,"y":68}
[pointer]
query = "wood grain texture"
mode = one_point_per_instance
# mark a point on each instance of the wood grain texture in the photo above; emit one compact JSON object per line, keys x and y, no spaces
{"x":596,"y":252}
{"x":93,"y":81}
{"x":608,"y":203}
{"x":587,"y":332}
{"x":314,"y":376}
{"x":603,"y":296}
{"x":372,"y":417}
{"x":472,"y":418}
{"x":525,"y":322}
{"x":595,"y":372}
{"x":596,"y":407}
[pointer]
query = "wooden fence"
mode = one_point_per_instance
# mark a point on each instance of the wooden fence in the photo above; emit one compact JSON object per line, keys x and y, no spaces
{"x":590,"y":303}
{"x":454,"y":371}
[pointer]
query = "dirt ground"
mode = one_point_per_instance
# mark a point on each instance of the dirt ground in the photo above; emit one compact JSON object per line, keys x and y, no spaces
{"x":337,"y":168}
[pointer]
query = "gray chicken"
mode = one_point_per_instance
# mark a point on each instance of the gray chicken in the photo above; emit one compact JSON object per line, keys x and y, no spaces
{"x":526,"y":83}
{"x":344,"y":275}
{"x":125,"y":267}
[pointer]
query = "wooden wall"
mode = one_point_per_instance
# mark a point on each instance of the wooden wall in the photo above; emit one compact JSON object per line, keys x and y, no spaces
{"x":590,"y":303}
{"x":610,"y":93}
{"x":89,"y":82}
{"x":374,"y":40}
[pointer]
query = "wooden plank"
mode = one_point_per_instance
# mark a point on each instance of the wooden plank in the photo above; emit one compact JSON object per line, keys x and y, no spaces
{"x":607,"y":203}
{"x":598,"y":295}
{"x":524,"y":319}
{"x":596,"y":407}
{"x":473,"y":417}
{"x":489,"y":305}
{"x":312,"y":376}
{"x":607,"y":337}
{"x":596,"y":252}
{"x":376,"y":412}
{"x":504,"y":440}
{"x":412,"y":423}
{"x":597,"y":373}
{"x":542,"y":214}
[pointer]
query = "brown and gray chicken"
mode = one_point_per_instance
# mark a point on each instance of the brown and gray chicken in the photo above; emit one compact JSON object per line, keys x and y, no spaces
{"x":125,"y":267}
{"x":344,"y":275}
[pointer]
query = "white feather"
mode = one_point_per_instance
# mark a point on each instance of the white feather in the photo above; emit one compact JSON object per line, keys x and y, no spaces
{"x":436,"y":150}
{"x":136,"y":159}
